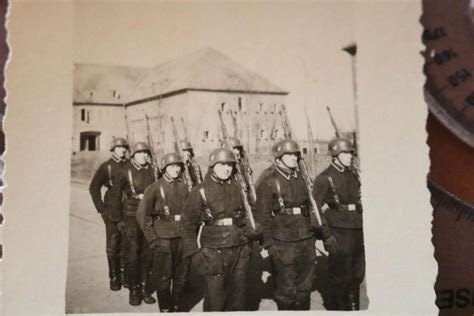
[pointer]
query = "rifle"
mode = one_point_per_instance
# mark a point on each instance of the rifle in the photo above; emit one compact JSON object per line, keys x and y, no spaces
{"x":303,"y":169}
{"x":149,"y":138}
{"x":354,"y":165}
{"x":234,"y":123}
{"x":186,"y":173}
{"x":333,"y":122}
{"x":238,"y":174}
{"x":310,"y":144}
{"x":285,"y":121}
{"x":245,"y":162}
{"x":196,"y":167}
{"x":184,"y":129}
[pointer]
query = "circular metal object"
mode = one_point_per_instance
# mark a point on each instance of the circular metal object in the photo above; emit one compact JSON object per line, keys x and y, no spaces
{"x":448,"y":36}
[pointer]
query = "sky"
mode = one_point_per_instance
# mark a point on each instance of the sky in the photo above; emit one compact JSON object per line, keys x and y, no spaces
{"x":297,"y":46}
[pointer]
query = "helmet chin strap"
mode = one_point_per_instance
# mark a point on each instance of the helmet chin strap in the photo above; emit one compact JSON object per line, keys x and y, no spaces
{"x":284,"y":165}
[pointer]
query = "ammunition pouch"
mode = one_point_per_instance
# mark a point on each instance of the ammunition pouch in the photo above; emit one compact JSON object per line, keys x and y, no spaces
{"x":240,"y":218}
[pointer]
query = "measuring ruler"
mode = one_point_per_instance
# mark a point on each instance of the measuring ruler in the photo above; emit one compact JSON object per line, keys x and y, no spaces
{"x":449,"y":64}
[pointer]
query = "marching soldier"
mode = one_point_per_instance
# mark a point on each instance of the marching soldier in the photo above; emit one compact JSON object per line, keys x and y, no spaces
{"x":106,"y":176}
{"x":216,"y":234}
{"x":283,"y":209}
{"x":337,"y":192}
{"x":159,"y":216}
{"x":131,"y":183}
{"x":188,"y":156}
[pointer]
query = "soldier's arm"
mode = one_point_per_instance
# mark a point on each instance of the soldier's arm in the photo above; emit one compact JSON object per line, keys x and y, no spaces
{"x":263,"y":208}
{"x":120,"y":187}
{"x":320,"y":194}
{"x":320,"y":190}
{"x":100,"y":177}
{"x":190,"y":222}
{"x":144,"y":214}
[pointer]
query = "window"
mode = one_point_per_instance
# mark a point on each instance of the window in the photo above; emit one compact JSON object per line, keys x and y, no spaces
{"x":206,"y":134}
{"x":222,"y":106}
{"x":83,"y":115}
{"x":305,"y":150}
{"x":240,"y":103}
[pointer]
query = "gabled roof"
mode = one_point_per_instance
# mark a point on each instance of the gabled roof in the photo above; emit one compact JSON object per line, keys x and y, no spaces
{"x":204,"y":70}
{"x":105,"y":85}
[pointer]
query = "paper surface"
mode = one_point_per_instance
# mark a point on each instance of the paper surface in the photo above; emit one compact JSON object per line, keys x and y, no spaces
{"x":397,"y":214}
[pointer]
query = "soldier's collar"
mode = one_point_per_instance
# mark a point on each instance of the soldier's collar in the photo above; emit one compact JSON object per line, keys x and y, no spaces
{"x":169,"y":179}
{"x":137,"y":166}
{"x":287,"y":175}
{"x":217,"y":180}
{"x":338,"y":168}
{"x":117,"y":159}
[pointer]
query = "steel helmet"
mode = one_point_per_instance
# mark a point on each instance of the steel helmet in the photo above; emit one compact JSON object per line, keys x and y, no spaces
{"x":170,"y":159}
{"x":285,"y":146}
{"x":340,"y":144}
{"x":185,"y":145}
{"x":235,"y":142}
{"x":221,"y":155}
{"x":140,"y":146}
{"x":119,"y":141}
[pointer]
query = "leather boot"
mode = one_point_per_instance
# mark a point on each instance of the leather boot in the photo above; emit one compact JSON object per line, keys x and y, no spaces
{"x":123,"y":277}
{"x":285,"y":306}
{"x":134,"y":298}
{"x":303,"y":304}
{"x":354,"y":300}
{"x":145,"y":295}
{"x":175,"y":298}
{"x":115,"y":284}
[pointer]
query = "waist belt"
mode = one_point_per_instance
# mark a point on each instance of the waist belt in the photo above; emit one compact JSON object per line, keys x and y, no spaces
{"x":342,"y":207}
{"x":172,"y":218}
{"x":293,"y":211}
{"x":290,"y":211}
{"x":228,"y":221}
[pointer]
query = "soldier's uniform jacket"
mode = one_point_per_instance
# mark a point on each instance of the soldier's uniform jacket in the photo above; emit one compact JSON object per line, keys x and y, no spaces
{"x":106,"y":176}
{"x":289,"y":221}
{"x":160,"y":210}
{"x":347,"y":212}
{"x":225,"y":205}
{"x":132,"y":181}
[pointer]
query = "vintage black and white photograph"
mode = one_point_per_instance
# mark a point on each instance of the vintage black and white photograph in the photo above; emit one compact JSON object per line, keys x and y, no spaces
{"x":215,"y":158}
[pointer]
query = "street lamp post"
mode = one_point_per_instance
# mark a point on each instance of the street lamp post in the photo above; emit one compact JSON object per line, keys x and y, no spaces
{"x":352,"y":50}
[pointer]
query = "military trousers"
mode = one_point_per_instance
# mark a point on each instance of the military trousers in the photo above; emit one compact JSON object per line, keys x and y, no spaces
{"x":225,"y":274}
{"x":347,"y":265}
{"x":115,"y":245}
{"x":293,"y":267}
{"x":139,"y":258}
{"x":170,"y":271}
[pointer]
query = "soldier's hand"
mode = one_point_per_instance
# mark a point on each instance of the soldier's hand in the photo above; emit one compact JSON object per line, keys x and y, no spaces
{"x":330,"y":244}
{"x":272,"y":251}
{"x":121,"y":226}
{"x":199,"y":263}
{"x":253,"y":234}
{"x":154,"y":245}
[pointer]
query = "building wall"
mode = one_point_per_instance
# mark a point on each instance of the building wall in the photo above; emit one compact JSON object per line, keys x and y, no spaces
{"x":109,"y":121}
{"x":256,"y":115}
